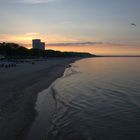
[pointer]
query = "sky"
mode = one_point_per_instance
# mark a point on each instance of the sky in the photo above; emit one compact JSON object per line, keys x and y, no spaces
{"x":97,"y":26}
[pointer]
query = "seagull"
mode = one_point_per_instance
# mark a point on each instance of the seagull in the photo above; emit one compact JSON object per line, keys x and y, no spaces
{"x":133,"y":24}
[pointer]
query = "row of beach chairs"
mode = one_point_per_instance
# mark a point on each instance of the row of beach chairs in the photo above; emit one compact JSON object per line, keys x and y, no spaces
{"x":7,"y":64}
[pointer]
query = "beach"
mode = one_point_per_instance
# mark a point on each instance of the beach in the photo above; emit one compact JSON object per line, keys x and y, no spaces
{"x":19,"y":87}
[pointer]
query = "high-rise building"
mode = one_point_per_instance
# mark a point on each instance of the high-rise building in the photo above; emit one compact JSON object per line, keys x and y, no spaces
{"x":42,"y":45}
{"x":37,"y":44}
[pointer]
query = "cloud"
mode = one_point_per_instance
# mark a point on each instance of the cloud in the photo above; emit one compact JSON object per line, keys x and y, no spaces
{"x":75,"y":44}
{"x":32,"y":33}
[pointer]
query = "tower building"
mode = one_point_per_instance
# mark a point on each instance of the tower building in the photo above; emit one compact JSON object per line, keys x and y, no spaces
{"x":37,"y":44}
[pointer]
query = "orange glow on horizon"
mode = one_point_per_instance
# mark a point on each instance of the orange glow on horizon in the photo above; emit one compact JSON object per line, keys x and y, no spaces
{"x":27,"y":38}
{"x":98,"y":49}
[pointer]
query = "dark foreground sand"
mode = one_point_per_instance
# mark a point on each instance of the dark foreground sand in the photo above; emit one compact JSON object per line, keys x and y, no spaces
{"x":19,"y":87}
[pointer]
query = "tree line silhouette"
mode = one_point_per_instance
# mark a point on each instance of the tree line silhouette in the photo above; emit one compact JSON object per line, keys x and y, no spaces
{"x":13,"y":50}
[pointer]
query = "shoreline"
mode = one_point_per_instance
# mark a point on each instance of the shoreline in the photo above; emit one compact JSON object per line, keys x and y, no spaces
{"x":20,"y":88}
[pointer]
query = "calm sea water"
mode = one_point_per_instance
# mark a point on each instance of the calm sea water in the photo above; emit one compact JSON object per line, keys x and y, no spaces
{"x":96,"y":99}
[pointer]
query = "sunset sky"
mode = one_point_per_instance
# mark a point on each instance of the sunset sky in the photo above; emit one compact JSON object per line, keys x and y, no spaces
{"x":95,"y":26}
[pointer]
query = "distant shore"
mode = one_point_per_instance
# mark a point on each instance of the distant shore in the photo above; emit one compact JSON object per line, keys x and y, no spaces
{"x":19,"y":87}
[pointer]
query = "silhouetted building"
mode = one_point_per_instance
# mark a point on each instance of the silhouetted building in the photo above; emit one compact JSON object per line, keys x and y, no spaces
{"x":37,"y":44}
{"x":42,"y":45}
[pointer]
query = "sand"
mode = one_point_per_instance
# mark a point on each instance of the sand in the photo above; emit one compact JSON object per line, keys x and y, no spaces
{"x":19,"y":87}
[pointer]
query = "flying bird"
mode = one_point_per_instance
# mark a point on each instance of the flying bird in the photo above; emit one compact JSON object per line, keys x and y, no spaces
{"x":133,"y":24}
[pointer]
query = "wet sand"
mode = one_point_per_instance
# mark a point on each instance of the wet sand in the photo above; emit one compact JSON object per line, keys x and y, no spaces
{"x":19,"y":87}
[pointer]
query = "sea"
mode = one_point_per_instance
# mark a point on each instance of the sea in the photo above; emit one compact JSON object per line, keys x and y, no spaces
{"x":95,"y":99}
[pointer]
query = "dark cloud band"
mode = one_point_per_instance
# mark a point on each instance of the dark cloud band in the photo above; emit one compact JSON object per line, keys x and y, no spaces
{"x":75,"y":44}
